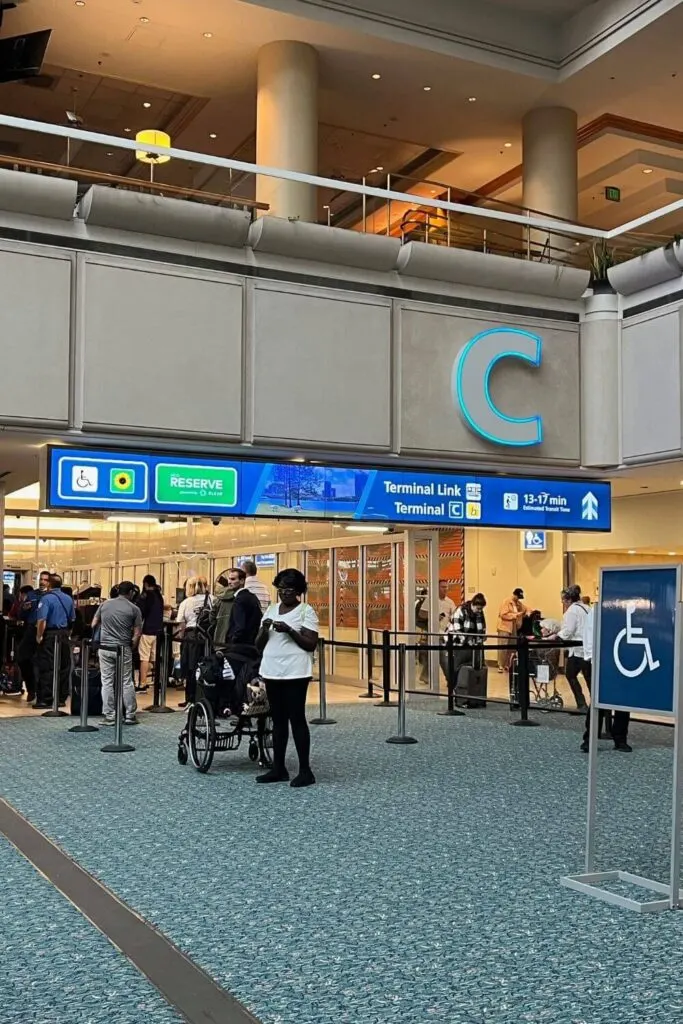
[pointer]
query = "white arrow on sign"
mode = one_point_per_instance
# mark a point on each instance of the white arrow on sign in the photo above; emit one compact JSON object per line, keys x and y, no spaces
{"x":589,"y":506}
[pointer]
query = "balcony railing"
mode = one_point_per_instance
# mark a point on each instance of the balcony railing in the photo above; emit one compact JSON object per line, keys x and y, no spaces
{"x":400,"y":206}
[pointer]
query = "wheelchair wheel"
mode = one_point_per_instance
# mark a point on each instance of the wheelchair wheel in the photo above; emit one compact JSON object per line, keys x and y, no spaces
{"x":253,"y":750}
{"x":182,"y":753}
{"x":201,"y":726}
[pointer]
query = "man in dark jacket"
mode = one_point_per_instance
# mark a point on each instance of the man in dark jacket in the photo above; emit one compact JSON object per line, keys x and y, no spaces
{"x":245,"y":619}
{"x":221,"y":611}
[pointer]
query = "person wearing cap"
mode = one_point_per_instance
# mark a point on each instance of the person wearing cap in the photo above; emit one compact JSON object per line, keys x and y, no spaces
{"x":510,"y":616}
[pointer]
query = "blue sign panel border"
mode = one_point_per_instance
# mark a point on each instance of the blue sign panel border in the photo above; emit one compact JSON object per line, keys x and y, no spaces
{"x":304,"y":490}
{"x":661,"y":643}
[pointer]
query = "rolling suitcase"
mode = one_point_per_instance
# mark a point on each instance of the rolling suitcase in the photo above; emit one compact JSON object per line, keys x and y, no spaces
{"x":472,"y":684}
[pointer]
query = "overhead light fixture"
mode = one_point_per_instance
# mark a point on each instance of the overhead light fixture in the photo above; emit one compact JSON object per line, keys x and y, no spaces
{"x":471,"y":99}
{"x":671,"y":554}
{"x":632,"y":552}
{"x":298,"y":459}
{"x":79,"y":3}
{"x":426,"y":88}
{"x":213,"y":135}
{"x":151,"y":137}
{"x":647,"y":170}
{"x":507,"y":145}
{"x":367,"y":529}
{"x":144,"y":21}
{"x":376,"y":77}
{"x":147,"y":104}
{"x":128,"y":129}
{"x":208,"y":35}
{"x":379,"y":168}
{"x":326,"y":207}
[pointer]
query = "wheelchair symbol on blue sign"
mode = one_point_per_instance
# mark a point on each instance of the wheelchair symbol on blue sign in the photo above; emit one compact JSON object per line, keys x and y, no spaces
{"x":633,"y":636}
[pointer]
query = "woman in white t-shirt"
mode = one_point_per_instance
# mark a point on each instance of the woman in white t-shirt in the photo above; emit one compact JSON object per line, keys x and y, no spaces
{"x":191,"y":643}
{"x":287,"y":640}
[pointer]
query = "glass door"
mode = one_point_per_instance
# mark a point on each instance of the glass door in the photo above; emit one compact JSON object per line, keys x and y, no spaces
{"x":347,"y":625}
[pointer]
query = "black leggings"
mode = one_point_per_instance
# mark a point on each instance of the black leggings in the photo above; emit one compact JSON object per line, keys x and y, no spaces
{"x":287,"y":699}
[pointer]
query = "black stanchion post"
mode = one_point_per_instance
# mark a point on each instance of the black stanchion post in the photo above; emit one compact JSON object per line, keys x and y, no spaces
{"x":55,"y":711}
{"x":118,"y":746}
{"x":158,"y":650}
{"x":386,"y":672}
{"x":401,"y":737}
{"x":523,"y":681}
{"x":370,"y":693}
{"x":85,"y":658}
{"x":322,"y":677}
{"x":161,"y":708}
{"x":452,"y":711}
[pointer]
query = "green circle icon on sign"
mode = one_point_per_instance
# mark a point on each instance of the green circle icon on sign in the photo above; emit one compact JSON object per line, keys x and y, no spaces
{"x":123,"y":481}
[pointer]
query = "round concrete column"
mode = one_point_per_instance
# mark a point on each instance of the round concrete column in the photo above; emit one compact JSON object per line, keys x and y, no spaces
{"x":550,"y":168}
{"x":600,"y":376}
{"x":287,"y":126}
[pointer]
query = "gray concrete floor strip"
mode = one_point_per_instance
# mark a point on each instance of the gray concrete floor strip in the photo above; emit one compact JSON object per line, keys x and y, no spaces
{"x":188,"y":989}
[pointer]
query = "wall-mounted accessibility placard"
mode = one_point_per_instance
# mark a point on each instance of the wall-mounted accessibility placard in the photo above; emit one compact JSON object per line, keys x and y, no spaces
{"x":141,"y":482}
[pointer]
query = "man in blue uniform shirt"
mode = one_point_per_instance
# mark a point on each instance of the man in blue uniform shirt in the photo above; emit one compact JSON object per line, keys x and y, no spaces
{"x":56,"y":614}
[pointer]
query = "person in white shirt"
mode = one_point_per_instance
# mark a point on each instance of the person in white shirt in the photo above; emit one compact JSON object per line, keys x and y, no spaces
{"x":287,"y":640}
{"x":446,"y":609}
{"x":191,"y":642}
{"x":254,"y":584}
{"x":573,"y":626}
{"x":617,"y":723}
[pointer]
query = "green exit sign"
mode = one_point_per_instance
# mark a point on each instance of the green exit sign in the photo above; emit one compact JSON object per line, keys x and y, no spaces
{"x":613,"y":194}
{"x":196,"y":486}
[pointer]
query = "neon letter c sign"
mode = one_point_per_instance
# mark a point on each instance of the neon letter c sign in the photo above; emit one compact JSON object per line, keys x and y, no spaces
{"x":471,"y":385}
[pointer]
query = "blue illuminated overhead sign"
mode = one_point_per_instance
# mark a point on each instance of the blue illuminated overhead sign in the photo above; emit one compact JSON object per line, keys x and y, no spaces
{"x":472,"y":385}
{"x":168,"y":485}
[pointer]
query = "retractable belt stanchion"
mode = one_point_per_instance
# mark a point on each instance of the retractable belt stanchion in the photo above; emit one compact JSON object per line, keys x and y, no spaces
{"x":118,"y":746}
{"x":323,"y":719}
{"x":401,"y":737}
{"x":370,"y":693}
{"x":55,"y":711}
{"x":386,"y":702}
{"x":83,"y":725}
{"x":451,"y":711}
{"x":164,"y":671}
{"x":523,"y":682}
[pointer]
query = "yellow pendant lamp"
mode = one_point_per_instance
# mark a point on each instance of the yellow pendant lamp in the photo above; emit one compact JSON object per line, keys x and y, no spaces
{"x":151,"y":137}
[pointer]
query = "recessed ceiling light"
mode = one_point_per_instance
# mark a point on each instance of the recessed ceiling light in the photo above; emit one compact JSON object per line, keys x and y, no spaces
{"x":208,"y":35}
{"x":128,"y":129}
{"x":379,"y":168}
{"x":376,"y":76}
{"x":426,"y":88}
{"x":80,"y":3}
{"x":507,"y":145}
{"x":671,"y":554}
{"x":212,"y":135}
{"x":647,"y":170}
{"x":147,"y":104}
{"x":144,"y":21}
{"x":632,"y":552}
{"x":110,"y":153}
{"x":472,"y":99}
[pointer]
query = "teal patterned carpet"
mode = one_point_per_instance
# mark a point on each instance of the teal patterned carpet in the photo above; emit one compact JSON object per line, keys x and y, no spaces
{"x":412,"y":885}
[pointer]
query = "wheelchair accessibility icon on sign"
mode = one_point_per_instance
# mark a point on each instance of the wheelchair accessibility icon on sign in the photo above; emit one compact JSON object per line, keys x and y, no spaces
{"x":632,"y":636}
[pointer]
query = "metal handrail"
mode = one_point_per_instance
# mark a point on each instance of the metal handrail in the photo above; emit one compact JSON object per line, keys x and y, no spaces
{"x":105,"y":178}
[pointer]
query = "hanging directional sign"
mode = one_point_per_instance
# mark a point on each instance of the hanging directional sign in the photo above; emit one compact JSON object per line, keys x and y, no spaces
{"x":147,"y":482}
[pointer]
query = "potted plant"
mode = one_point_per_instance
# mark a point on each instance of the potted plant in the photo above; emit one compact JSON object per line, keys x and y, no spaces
{"x":602,"y":258}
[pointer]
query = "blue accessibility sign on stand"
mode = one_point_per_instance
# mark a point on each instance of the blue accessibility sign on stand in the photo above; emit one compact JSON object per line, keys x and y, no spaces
{"x":637,"y":639}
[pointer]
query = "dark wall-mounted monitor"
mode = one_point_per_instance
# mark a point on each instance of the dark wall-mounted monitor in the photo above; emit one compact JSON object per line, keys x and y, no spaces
{"x":22,"y":56}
